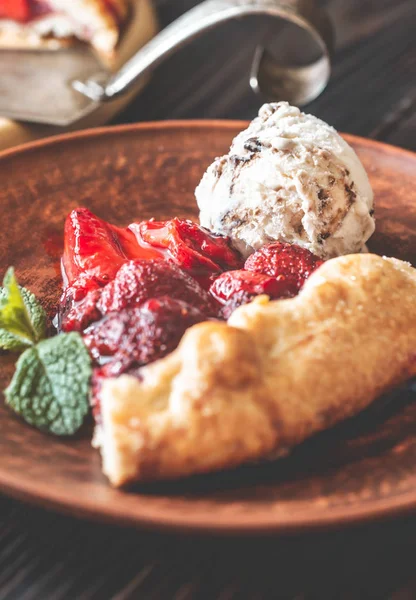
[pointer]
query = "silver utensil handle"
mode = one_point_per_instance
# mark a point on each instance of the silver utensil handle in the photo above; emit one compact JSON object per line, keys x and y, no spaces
{"x":204,"y":17}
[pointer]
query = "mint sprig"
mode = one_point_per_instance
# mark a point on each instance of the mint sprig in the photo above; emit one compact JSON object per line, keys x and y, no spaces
{"x":50,"y":387}
{"x":22,"y":318}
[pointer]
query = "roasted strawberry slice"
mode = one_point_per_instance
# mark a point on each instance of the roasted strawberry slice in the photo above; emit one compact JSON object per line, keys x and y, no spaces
{"x":234,"y":288}
{"x":124,"y":341}
{"x":15,"y":10}
{"x":289,"y":263}
{"x":95,"y":250}
{"x":90,"y":248}
{"x":189,"y":246}
{"x":131,"y":247}
{"x":135,"y":282}
{"x":76,"y":315}
{"x":139,"y":280}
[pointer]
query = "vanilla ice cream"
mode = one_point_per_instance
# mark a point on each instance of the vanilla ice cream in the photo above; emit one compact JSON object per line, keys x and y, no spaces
{"x":289,"y":177}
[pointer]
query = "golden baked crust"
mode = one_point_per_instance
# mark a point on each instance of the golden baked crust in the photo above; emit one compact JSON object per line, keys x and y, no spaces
{"x":275,"y":374}
{"x":103,"y":20}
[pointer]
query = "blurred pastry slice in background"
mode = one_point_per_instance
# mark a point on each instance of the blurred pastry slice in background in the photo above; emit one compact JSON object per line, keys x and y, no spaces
{"x":52,"y":24}
{"x":136,"y":25}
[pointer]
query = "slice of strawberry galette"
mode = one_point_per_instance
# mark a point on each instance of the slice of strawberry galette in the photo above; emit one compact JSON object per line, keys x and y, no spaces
{"x":54,"y":23}
{"x":179,"y":389}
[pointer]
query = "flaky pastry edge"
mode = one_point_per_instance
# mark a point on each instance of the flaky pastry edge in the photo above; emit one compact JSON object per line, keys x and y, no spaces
{"x":275,"y":374}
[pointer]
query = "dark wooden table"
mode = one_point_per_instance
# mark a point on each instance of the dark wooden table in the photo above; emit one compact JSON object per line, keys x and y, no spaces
{"x":47,"y":556}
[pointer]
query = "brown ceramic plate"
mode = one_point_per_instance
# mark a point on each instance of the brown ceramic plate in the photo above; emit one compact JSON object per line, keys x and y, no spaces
{"x":363,"y":469}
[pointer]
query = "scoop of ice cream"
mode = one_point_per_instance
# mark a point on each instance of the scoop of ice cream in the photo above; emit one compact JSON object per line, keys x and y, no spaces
{"x":289,"y":177}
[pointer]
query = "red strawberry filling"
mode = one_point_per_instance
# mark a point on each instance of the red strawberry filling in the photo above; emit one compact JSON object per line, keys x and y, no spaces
{"x":195,"y":250}
{"x":134,"y":291}
{"x":135,"y":282}
{"x":95,"y":250}
{"x":16,"y":10}
{"x":23,"y":10}
{"x":124,"y":341}
{"x":289,"y":263}
{"x":133,"y":296}
{"x":139,"y":280}
{"x":278,"y":270}
{"x":234,"y":288}
{"x":26,"y":10}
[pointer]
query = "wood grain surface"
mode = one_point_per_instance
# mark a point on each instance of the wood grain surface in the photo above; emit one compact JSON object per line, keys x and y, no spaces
{"x":42,"y":555}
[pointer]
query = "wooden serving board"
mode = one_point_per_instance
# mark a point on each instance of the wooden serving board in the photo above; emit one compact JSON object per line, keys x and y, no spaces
{"x":141,"y":28}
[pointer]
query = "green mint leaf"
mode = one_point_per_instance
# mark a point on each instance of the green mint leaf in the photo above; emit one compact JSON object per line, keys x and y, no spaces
{"x":22,"y":318}
{"x":50,"y":386}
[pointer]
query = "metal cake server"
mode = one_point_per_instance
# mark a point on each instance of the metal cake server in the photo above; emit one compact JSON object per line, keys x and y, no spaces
{"x":61,"y":87}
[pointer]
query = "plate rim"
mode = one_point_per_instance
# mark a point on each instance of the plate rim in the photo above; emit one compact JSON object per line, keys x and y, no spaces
{"x":155,"y":519}
{"x":174,"y":124}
